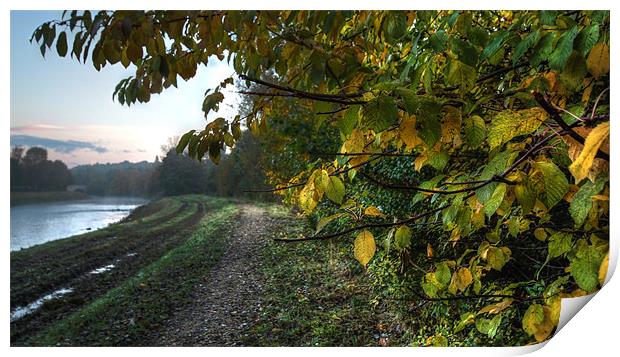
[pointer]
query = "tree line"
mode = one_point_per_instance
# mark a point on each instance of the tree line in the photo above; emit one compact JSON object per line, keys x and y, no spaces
{"x":175,"y":174}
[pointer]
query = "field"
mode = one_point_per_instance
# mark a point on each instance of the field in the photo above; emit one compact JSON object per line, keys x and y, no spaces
{"x":154,"y":277}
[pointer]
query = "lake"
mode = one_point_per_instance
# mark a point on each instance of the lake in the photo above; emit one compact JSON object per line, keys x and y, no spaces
{"x":42,"y":222}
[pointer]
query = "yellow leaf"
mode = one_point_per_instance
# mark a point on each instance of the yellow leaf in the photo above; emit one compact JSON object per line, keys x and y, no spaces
{"x":602,"y":271}
{"x":408,"y":132}
{"x":496,"y":308}
{"x":373,"y":211}
{"x":421,"y":160}
{"x":364,"y":247}
{"x":598,"y":60}
{"x":461,"y":279}
{"x":581,"y":166}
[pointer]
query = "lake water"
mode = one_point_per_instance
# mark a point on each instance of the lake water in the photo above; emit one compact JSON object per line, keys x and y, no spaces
{"x":38,"y":223}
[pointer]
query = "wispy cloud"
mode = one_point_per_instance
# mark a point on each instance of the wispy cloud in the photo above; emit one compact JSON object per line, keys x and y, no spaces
{"x":36,"y":127}
{"x":63,"y":146}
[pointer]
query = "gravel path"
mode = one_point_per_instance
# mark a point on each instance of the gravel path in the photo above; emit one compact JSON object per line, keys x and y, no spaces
{"x":227,"y":303}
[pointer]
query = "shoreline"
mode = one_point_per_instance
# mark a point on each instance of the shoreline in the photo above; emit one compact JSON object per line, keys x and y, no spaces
{"x":24,"y":198}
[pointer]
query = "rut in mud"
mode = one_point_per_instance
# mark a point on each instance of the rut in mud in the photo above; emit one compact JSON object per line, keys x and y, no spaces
{"x":226,"y":304}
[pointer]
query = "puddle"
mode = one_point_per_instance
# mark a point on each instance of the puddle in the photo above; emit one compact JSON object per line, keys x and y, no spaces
{"x":103,"y":269}
{"x":20,"y":312}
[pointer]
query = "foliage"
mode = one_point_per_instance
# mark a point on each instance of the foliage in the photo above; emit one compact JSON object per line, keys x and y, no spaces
{"x":474,"y":129}
{"x":32,"y":171}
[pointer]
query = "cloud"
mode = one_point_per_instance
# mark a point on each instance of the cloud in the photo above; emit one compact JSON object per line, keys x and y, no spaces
{"x":36,"y":127}
{"x":63,"y":146}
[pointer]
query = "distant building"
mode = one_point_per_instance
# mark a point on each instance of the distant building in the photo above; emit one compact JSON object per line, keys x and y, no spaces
{"x":76,"y":188}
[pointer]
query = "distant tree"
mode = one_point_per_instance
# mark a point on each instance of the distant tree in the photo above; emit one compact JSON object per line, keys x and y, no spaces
{"x":16,"y":172}
{"x":179,"y":174}
{"x":34,"y":155}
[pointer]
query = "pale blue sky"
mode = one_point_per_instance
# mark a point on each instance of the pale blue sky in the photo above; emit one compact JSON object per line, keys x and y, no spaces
{"x":61,"y":99}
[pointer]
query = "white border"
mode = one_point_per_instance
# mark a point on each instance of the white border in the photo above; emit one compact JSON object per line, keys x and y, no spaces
{"x":592,"y":331}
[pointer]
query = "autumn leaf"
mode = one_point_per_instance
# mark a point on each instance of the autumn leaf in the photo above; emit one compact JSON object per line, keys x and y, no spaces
{"x":598,"y":60}
{"x":364,"y":247}
{"x":581,"y":166}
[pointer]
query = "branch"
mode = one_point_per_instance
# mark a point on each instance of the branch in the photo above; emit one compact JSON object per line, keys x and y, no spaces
{"x":364,"y":226}
{"x":333,"y":98}
{"x":544,"y":103}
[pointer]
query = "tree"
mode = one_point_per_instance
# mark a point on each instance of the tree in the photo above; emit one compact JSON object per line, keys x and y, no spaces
{"x":473,"y":146}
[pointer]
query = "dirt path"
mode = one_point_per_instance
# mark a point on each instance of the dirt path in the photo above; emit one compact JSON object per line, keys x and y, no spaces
{"x":228,"y":302}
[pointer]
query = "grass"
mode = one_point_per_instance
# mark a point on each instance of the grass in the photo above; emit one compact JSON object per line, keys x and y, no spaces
{"x":129,"y":313}
{"x":316,"y":294}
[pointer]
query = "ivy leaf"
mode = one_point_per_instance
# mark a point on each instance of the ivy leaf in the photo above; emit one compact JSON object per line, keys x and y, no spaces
{"x":598,"y":60}
{"x":402,"y":237}
{"x":581,"y":203}
{"x":511,"y":123}
{"x":364,"y":247}
{"x":559,"y":56}
{"x":554,"y":181}
{"x":380,"y":113}
{"x":335,"y":189}
{"x":581,"y":166}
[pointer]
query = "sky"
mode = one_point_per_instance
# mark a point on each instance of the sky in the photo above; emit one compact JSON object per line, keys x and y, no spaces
{"x":66,"y":106}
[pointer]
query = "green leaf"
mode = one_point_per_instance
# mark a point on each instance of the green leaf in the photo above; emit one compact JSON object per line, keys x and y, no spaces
{"x":497,"y":257}
{"x":582,"y":200}
{"x":443,"y":274}
{"x":494,"y":45}
{"x":380,"y":113}
{"x":495,"y":200}
{"x":555,"y":183}
{"x":402,"y":238}
{"x":584,"y":267}
{"x":508,"y":124}
{"x":335,"y":189}
{"x":475,"y":131}
{"x":543,"y":49}
{"x":364,"y":247}
{"x":525,"y":196}
{"x":559,"y":56}
{"x":466,"y":319}
{"x":586,"y":39}
{"x":559,"y":244}
{"x":574,"y":71}
{"x":525,"y":45}
{"x":427,"y":110}
{"x":533,"y":317}
{"x":489,"y":327}
{"x":461,"y":75}
{"x":184,"y":141}
{"x":495,"y":166}
{"x":61,"y":44}
{"x":439,"y":41}
{"x":348,"y":121}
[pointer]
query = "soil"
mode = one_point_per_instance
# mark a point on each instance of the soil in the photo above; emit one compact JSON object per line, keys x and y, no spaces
{"x":128,"y":253}
{"x":227,"y":304}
